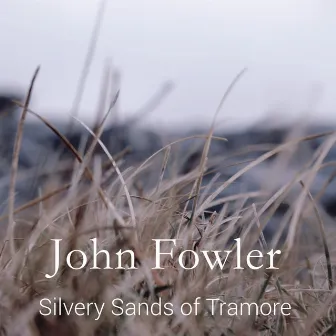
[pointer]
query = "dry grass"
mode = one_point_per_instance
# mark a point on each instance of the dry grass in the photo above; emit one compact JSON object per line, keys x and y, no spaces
{"x":98,"y":200}
{"x":100,"y":208}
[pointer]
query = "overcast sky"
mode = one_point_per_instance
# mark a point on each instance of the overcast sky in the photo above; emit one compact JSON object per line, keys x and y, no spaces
{"x":287,"y":45}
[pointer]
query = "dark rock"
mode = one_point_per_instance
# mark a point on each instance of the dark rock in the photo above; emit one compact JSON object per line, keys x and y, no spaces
{"x":41,"y":148}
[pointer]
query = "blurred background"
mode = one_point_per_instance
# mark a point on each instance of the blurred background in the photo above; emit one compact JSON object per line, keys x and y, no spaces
{"x":198,"y":46}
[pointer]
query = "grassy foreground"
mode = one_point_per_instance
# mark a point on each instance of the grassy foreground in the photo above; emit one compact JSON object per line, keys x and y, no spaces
{"x":115,"y":209}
